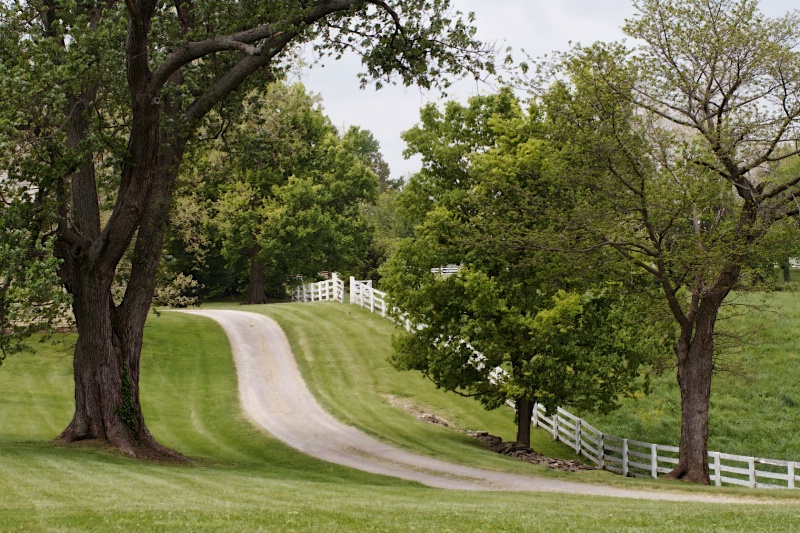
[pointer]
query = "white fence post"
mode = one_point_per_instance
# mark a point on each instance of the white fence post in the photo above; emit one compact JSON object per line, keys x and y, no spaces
{"x":338,"y":288}
{"x":578,"y":436}
{"x":717,"y":470}
{"x":752,"y":467}
{"x":555,"y":426}
{"x":654,"y":461}
{"x":625,"y":457}
{"x":790,"y":472}
{"x":601,"y":451}
{"x":535,"y":417}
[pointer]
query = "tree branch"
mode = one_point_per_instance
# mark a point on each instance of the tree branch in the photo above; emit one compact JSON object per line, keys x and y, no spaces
{"x":189,"y":52}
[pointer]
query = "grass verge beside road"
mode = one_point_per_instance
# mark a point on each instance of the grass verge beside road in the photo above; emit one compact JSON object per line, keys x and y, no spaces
{"x":242,"y":479}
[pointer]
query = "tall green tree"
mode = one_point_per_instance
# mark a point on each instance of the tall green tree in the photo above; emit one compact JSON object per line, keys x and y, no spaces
{"x":110,"y":94}
{"x":670,"y":150}
{"x":364,"y":144}
{"x":286,"y":191}
{"x":561,"y":335}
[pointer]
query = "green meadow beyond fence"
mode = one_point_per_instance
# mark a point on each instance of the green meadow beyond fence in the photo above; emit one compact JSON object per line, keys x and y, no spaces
{"x":616,"y":454}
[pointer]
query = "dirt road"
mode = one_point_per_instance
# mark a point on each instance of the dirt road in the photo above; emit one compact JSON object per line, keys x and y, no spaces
{"x":274,"y":396}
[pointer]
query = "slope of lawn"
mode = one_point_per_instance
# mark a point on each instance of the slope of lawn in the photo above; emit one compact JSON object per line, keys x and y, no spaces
{"x":342,"y":352}
{"x":241,"y":479}
{"x":755,"y":396}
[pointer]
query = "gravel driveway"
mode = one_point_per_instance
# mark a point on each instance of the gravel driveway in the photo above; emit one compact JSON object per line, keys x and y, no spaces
{"x":275,"y":397}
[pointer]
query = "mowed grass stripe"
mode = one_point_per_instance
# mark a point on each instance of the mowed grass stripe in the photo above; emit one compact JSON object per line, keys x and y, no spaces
{"x":41,"y":401}
{"x":263,"y":485}
{"x":343,"y":353}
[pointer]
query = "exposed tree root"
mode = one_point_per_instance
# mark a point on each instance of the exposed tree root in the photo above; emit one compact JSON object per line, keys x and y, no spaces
{"x":683,"y":473}
{"x":145,"y":447}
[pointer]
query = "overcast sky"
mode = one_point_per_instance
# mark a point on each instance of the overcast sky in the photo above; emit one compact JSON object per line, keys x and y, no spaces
{"x":538,"y":26}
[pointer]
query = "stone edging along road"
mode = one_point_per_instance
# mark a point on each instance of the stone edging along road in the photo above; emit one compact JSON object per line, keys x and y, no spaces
{"x":275,"y":397}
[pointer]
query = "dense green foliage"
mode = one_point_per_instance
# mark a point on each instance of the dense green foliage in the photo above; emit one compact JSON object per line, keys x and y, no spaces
{"x":281,"y":193}
{"x":31,"y":298}
{"x":672,"y":149}
{"x":103,"y":100}
{"x":562,"y":336}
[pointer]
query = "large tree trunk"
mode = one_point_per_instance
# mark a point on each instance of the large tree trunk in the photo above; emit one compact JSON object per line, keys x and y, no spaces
{"x":255,"y":287}
{"x":695,"y":354}
{"x":108,"y":351}
{"x":106,"y":373}
{"x":524,"y":414}
{"x":694,"y":379}
{"x":98,"y":367}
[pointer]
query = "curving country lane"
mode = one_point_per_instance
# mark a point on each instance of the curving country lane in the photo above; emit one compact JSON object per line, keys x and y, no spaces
{"x":275,"y":397}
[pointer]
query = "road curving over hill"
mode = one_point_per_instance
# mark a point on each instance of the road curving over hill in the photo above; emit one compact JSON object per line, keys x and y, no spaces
{"x":274,"y":395}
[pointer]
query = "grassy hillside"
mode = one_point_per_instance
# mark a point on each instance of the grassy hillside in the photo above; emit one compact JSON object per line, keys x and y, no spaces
{"x":755,"y":398}
{"x":243,"y":480}
{"x":342,"y":352}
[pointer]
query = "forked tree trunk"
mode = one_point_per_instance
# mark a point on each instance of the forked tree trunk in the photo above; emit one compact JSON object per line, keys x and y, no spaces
{"x":524,"y":414}
{"x":108,"y":351}
{"x":695,"y":354}
{"x":255,"y":287}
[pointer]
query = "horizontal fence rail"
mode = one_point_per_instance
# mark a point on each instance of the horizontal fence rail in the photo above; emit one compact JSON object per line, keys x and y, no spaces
{"x":645,"y":459}
{"x":623,"y":456}
{"x":446,"y":270}
{"x":362,"y":294}
{"x":325,"y":290}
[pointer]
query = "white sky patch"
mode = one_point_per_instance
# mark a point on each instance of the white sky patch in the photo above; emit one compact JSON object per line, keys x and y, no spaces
{"x":538,"y":26}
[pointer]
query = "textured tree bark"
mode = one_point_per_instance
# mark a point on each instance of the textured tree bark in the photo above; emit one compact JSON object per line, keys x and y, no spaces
{"x":524,"y":414}
{"x":694,"y":379}
{"x":108,"y":351}
{"x":255,"y":287}
{"x":695,"y":355}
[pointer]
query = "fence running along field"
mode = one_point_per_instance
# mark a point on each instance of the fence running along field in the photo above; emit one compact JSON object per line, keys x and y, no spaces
{"x":326,"y":290}
{"x":609,"y":452}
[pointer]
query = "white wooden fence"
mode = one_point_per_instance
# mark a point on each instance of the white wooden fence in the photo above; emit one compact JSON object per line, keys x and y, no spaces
{"x":446,"y":270}
{"x":609,"y":452}
{"x":325,"y":290}
{"x":644,"y":459}
{"x":363,"y":294}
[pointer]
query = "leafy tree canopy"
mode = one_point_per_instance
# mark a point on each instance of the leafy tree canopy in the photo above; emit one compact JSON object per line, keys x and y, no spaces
{"x":680,"y":155}
{"x":108,"y":96}
{"x":563,"y":336}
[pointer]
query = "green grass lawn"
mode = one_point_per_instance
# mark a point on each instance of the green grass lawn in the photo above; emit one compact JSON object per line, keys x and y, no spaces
{"x":342,"y":352}
{"x":241,"y":479}
{"x":755,"y":397}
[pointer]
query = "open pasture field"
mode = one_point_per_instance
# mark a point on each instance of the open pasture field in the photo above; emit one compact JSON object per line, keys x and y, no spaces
{"x":241,"y":479}
{"x":755,"y":395}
